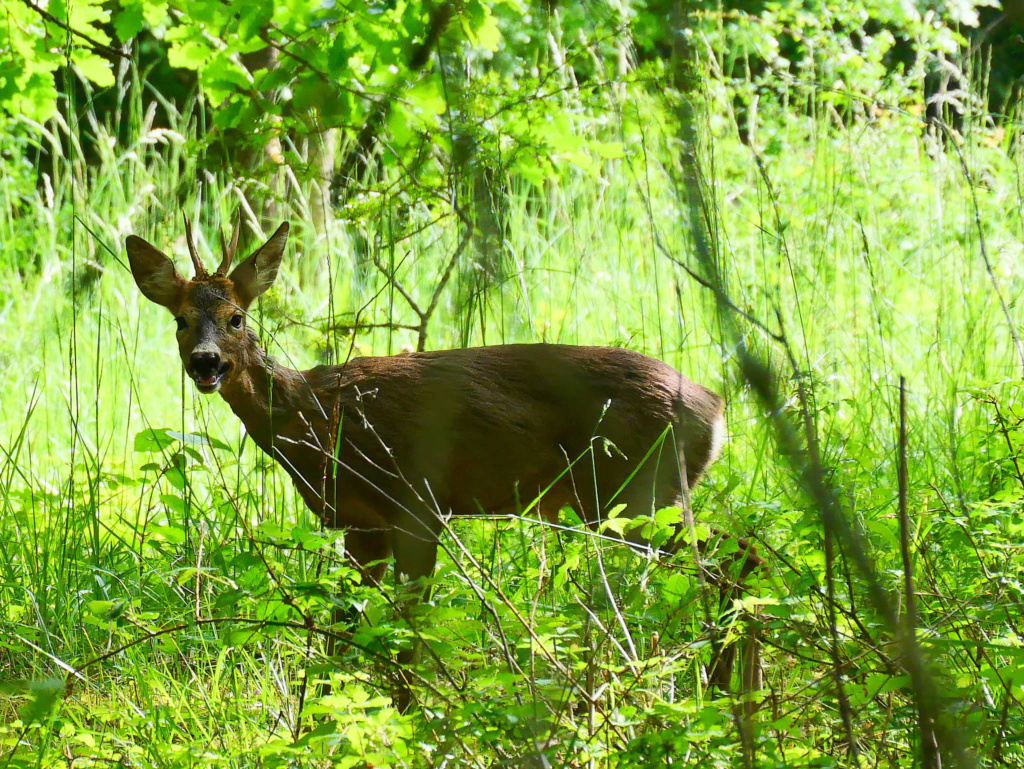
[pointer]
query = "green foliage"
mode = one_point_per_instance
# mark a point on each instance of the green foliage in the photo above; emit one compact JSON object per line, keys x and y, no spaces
{"x":165,"y":597}
{"x":35,"y":42}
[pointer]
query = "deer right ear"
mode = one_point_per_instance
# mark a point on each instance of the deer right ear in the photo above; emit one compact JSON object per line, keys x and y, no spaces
{"x":255,"y":274}
{"x":154,"y":273}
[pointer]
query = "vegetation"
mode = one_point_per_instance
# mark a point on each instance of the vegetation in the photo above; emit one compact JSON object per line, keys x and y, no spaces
{"x":831,"y":196}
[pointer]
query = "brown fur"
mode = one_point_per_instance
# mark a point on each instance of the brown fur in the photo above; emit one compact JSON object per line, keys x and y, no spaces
{"x":388,"y":447}
{"x":481,"y":430}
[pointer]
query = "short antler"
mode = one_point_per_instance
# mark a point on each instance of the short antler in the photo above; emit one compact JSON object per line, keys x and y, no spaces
{"x":229,"y":248}
{"x":200,"y":270}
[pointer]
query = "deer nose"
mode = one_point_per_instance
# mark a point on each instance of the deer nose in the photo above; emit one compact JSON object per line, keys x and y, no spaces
{"x":205,"y":364}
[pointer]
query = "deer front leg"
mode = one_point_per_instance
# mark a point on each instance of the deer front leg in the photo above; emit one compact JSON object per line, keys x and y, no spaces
{"x":414,"y":543}
{"x":369,"y":549}
{"x":367,"y":545}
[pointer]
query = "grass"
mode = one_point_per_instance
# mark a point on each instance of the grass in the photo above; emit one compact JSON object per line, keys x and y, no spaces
{"x":855,"y":241}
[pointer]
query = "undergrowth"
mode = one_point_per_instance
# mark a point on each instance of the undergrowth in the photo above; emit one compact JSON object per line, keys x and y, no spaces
{"x":155,"y":569}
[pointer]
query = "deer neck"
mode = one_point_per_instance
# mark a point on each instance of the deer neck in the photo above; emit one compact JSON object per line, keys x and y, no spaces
{"x":284,"y":416}
{"x":274,"y":402}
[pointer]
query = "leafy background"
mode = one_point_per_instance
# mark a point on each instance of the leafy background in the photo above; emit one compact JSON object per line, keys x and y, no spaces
{"x":848,"y":178}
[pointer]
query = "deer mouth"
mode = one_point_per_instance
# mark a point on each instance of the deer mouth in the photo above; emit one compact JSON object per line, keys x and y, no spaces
{"x":209,"y":382}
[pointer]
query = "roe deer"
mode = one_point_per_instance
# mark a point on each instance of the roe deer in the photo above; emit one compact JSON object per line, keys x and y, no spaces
{"x":387,"y":447}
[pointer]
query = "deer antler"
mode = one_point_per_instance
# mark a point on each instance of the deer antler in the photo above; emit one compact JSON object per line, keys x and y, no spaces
{"x":229,"y":248}
{"x":200,"y":270}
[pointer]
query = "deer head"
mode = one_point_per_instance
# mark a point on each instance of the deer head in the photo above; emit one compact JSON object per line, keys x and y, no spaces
{"x":214,"y":340}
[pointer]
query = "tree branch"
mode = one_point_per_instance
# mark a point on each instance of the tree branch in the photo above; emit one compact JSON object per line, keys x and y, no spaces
{"x":97,"y":46}
{"x":354,"y":165}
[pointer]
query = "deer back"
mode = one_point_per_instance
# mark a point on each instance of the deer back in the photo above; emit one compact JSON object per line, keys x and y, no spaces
{"x":489,"y":429}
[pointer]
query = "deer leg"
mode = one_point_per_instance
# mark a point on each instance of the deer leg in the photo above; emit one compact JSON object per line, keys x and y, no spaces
{"x":369,"y":549}
{"x":746,"y":651}
{"x":750,"y":673}
{"x":367,"y":545}
{"x":729,"y":576}
{"x":731,"y":579}
{"x":415,"y":547}
{"x":723,"y":653}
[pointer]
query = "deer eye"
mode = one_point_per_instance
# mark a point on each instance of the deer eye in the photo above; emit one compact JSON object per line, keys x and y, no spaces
{"x":236,"y":321}
{"x":182,"y":325}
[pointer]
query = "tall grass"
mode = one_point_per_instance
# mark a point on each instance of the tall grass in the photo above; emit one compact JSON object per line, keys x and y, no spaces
{"x":859,"y":242}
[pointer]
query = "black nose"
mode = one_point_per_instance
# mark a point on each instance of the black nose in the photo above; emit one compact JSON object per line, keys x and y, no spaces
{"x":204,"y":364}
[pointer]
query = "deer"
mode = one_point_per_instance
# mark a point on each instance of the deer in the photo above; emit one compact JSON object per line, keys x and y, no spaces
{"x":389,"y":448}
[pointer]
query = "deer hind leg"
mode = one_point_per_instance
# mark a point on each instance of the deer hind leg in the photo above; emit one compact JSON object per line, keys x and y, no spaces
{"x":723,"y":651}
{"x":731,"y":577}
{"x":743,"y":652}
{"x":730,"y":574}
{"x":728,"y":577}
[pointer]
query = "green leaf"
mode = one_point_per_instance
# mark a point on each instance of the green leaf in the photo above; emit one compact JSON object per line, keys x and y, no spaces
{"x":668,"y":516}
{"x":155,"y":12}
{"x":615,"y":525}
{"x":100,"y":608}
{"x":177,"y":478}
{"x":272,"y":530}
{"x":172,"y":534}
{"x":310,"y":540}
{"x":701,"y":532}
{"x":427,"y":96}
{"x":400,"y":124}
{"x":571,"y":516}
{"x":244,"y":636}
{"x":481,"y":27}
{"x":189,"y":55}
{"x":94,"y":69}
{"x":128,"y":20}
{"x":191,"y":452}
{"x":339,"y":54}
{"x":535,"y":170}
{"x":198,"y":439}
{"x":174,"y":503}
{"x":43,"y":696}
{"x":615,"y":512}
{"x":152,"y":440}
{"x":883,"y":530}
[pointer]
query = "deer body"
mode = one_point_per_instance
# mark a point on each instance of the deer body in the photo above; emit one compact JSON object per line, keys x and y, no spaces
{"x":388,"y":447}
{"x":482,"y":430}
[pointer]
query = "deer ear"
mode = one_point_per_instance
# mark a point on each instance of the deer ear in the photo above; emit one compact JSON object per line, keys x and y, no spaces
{"x":257,"y":272}
{"x":154,"y":273}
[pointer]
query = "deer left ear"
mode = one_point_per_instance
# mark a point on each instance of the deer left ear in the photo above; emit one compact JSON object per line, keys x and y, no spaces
{"x":154,"y":273}
{"x":259,"y":270}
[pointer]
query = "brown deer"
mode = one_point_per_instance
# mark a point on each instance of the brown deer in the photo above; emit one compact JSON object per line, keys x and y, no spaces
{"x":387,"y":448}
